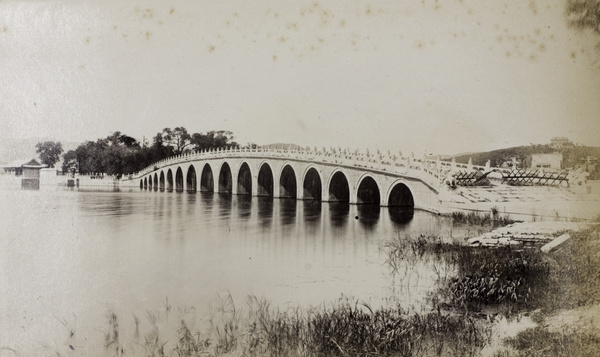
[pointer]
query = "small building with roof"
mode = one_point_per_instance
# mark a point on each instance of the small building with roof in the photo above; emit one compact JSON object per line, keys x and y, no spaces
{"x":29,"y":171}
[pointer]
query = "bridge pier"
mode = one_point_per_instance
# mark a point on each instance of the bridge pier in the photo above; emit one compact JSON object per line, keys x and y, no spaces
{"x":299,"y":190}
{"x":254,"y":185}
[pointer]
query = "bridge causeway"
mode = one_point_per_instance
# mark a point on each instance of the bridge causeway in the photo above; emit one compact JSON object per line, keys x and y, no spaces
{"x":326,"y":175}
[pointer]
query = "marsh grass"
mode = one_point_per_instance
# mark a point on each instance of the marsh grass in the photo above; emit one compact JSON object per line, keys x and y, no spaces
{"x":343,"y":328}
{"x":495,"y":219}
{"x":470,"y":278}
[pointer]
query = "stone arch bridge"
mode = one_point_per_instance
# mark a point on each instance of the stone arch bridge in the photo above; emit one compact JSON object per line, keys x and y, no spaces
{"x":326,"y":175}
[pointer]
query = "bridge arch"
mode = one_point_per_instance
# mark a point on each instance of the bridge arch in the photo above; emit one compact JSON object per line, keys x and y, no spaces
{"x":287,"y":182}
{"x":283,"y":174}
{"x":244,"y":181}
{"x":179,"y":179}
{"x":190,"y":180}
{"x":367,"y":191}
{"x":265,"y":180}
{"x":311,"y":185}
{"x":207,"y":183}
{"x":400,"y":195}
{"x":169,"y":180}
{"x":339,"y":189}
{"x":161,"y":184}
{"x":225,"y":179}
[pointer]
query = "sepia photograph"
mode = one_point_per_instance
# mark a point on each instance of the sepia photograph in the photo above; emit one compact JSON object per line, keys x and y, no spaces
{"x":306,"y":178}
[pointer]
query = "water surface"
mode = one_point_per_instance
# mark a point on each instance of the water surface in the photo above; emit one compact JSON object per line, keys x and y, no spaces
{"x":68,"y":256}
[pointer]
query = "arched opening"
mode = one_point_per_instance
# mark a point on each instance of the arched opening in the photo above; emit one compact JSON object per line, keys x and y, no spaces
{"x":225,"y":180}
{"x":155,"y":181}
{"x":287,"y":183}
{"x":368,"y":192}
{"x":150,"y":182}
{"x":161,"y":181}
{"x":244,"y":180}
{"x":401,"y":197}
{"x":312,"y":185}
{"x":265,"y":181}
{"x":145,"y":182}
{"x":339,"y":190}
{"x":169,"y":180}
{"x":206,"y":179}
{"x":179,"y":180}
{"x":141,"y":184}
{"x":190,"y":180}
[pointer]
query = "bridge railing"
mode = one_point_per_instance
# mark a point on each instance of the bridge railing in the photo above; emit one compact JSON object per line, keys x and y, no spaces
{"x":429,"y":171}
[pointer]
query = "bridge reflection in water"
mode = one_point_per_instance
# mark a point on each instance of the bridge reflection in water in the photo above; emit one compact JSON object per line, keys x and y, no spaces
{"x":268,"y":211}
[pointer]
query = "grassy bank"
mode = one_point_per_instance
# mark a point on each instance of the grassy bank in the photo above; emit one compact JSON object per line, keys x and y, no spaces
{"x":511,"y":282}
{"x":573,"y":282}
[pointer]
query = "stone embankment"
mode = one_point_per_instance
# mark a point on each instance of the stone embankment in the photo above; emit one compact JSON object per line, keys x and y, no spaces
{"x":546,"y":235}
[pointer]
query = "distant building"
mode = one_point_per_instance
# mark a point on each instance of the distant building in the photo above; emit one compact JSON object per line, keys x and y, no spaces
{"x":560,"y":142}
{"x":28,"y":171}
{"x":31,"y":175}
{"x":14,"y":168}
{"x":547,"y":161}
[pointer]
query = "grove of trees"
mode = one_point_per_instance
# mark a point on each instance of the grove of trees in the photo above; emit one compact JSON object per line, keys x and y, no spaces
{"x":120,"y":154}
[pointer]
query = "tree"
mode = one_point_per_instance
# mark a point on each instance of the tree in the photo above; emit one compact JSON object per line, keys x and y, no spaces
{"x":584,"y":14}
{"x":177,"y":138}
{"x":49,"y":151}
{"x":69,"y":160}
{"x":212,"y":140}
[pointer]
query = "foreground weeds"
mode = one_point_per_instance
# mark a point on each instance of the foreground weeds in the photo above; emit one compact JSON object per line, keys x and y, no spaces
{"x":345,"y":328}
{"x":354,"y":329}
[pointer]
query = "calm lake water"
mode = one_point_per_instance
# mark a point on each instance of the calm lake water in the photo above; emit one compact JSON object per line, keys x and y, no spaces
{"x":68,"y":257}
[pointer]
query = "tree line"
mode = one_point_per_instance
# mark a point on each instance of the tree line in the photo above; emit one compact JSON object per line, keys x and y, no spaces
{"x":119,"y":154}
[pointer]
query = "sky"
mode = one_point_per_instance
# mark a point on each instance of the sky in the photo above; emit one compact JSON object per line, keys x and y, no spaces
{"x":428,"y":77}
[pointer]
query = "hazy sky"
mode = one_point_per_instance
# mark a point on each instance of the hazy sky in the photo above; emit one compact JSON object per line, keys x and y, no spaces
{"x":422,"y":76}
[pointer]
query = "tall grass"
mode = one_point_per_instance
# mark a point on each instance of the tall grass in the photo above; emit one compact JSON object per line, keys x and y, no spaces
{"x":343,"y":328}
{"x":495,"y":219}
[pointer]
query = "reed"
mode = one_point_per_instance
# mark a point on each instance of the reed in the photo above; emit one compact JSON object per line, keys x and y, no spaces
{"x":482,"y":219}
{"x":503,"y":276}
{"x":343,"y":328}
